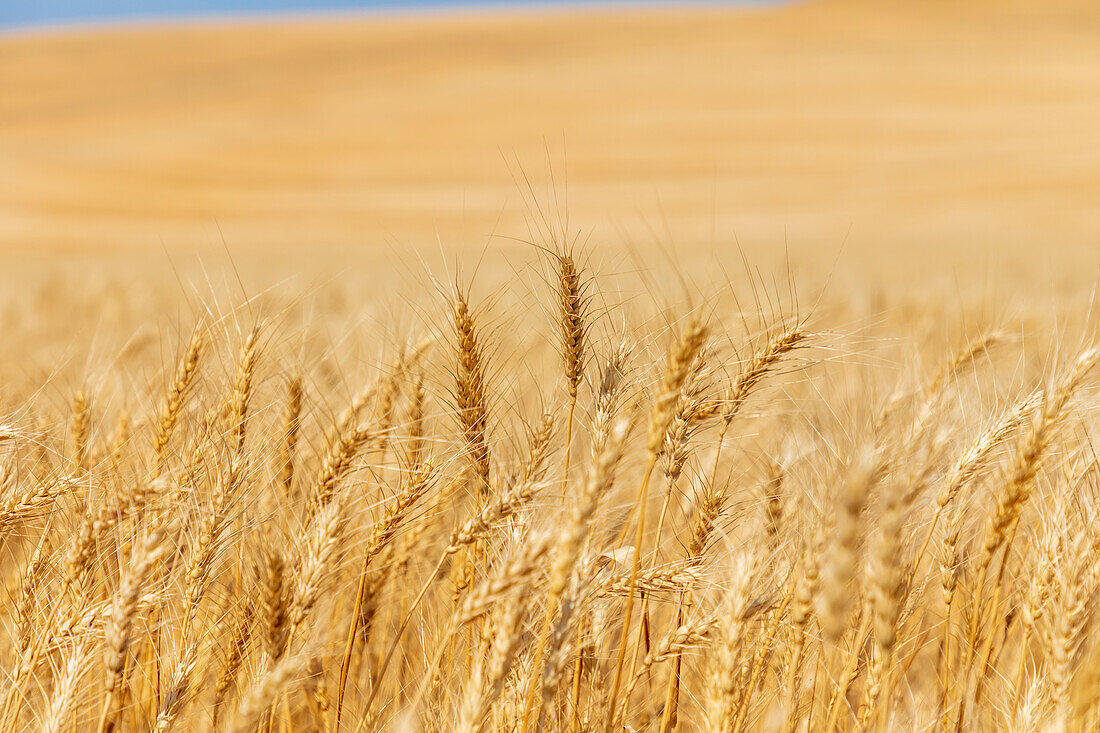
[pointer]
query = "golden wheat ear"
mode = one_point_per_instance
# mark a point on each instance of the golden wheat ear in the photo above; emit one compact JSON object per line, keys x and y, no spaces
{"x":80,"y":430}
{"x":470,"y":391}
{"x":175,"y":400}
{"x":67,"y":689}
{"x":573,"y":306}
{"x":124,"y":608}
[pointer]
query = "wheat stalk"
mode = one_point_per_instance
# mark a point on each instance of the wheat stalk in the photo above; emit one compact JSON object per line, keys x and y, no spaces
{"x":124,"y":608}
{"x":676,"y":372}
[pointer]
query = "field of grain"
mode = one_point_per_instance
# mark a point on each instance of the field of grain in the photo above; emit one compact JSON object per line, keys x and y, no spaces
{"x":602,"y":370}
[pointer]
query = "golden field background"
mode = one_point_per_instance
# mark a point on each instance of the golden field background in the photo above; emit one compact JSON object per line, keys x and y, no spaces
{"x":655,"y":369}
{"x":911,"y":138}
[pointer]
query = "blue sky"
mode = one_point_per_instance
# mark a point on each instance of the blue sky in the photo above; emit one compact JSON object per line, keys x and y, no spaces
{"x":14,"y":13}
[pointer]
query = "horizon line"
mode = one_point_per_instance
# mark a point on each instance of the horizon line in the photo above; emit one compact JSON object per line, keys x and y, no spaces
{"x":125,"y":19}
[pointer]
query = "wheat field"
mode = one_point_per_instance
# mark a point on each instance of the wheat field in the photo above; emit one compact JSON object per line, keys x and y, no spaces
{"x":304,"y":432}
{"x":610,"y":511}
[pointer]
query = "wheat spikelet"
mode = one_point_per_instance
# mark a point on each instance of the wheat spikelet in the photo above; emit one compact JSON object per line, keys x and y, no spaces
{"x":175,"y":399}
{"x":951,"y":566}
{"x":674,"y":578}
{"x":29,"y":583}
{"x":842,"y":562}
{"x":274,"y":601}
{"x":419,"y":482}
{"x":66,"y":690}
{"x":677,"y":371}
{"x":231,"y":661}
{"x":242,"y":392}
{"x":849,"y":672}
{"x":32,"y":501}
{"x":80,"y":429}
{"x":124,"y":608}
{"x":973,"y":461}
{"x":762,"y":363}
{"x":337,"y":463}
{"x":205,"y":548}
{"x":1036,"y":598}
{"x":688,"y":420}
{"x":119,"y":439}
{"x":1069,"y":620}
{"x":486,"y":685}
{"x":805,"y":592}
{"x":416,"y":421}
{"x":886,"y":589}
{"x":348,"y":438}
{"x":711,"y":504}
{"x":607,"y":396}
{"x":773,"y":502}
{"x":977,"y":457}
{"x":178,"y":692}
{"x":682,"y":637}
{"x":573,"y":319}
{"x":476,"y":527}
{"x":292,"y":420}
{"x":724,"y":665}
{"x":318,"y":556}
{"x":264,"y":691}
{"x":1016,"y":489}
{"x":965,"y":358}
{"x":1029,"y":713}
{"x":512,"y":576}
{"x":78,"y":561}
{"x":470,"y":391}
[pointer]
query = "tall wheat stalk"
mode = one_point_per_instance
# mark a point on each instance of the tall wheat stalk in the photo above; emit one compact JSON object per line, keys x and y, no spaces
{"x":676,"y":371}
